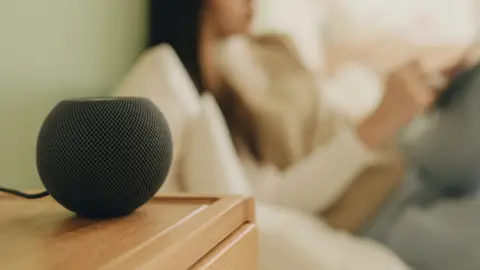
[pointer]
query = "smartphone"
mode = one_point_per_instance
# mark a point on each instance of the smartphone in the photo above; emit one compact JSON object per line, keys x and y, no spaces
{"x":461,"y":78}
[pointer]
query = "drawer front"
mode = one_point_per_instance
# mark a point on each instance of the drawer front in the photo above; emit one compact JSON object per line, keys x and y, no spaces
{"x":239,"y":251}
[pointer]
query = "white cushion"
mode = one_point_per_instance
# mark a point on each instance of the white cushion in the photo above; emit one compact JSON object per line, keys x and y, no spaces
{"x":160,"y":76}
{"x":210,"y":164}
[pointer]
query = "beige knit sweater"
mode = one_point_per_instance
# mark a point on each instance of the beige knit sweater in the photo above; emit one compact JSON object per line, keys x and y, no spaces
{"x":279,"y":121}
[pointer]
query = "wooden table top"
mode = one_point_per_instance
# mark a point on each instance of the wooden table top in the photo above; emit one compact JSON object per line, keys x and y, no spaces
{"x":40,"y":234}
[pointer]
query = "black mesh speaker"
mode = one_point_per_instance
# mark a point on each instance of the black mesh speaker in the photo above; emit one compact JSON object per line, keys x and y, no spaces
{"x":104,"y":157}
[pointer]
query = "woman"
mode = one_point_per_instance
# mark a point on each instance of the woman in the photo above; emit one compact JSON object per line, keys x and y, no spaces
{"x":322,"y":162}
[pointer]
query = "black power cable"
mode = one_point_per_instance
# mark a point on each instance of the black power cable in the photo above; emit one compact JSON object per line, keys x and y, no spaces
{"x":24,"y":195}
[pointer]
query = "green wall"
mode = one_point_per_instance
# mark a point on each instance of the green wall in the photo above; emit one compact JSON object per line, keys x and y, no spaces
{"x":54,"y":49}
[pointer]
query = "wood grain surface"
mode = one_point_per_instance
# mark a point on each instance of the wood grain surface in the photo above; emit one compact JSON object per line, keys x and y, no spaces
{"x":174,"y":232}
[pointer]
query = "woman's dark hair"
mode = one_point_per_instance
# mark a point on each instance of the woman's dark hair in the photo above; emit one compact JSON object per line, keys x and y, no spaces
{"x":176,"y":22}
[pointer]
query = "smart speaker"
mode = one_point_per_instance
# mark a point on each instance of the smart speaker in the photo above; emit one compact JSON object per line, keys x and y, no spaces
{"x":104,"y":157}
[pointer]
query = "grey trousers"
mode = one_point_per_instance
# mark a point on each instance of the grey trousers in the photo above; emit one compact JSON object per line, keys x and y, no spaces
{"x":428,"y":229}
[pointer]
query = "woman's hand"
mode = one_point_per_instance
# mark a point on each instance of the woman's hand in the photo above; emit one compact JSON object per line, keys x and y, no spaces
{"x":409,"y":92}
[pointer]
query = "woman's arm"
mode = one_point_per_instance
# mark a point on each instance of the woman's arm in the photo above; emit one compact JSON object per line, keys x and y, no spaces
{"x":363,"y":198}
{"x":321,"y":179}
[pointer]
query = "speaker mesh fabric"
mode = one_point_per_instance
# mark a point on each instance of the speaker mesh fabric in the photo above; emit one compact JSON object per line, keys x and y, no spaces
{"x":104,"y":157}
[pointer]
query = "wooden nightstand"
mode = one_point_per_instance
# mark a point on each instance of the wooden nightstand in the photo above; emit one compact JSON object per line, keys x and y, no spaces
{"x":169,"y":233}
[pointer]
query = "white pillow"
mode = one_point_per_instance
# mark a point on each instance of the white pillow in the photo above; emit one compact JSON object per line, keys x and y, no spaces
{"x":160,"y":76}
{"x":211,"y":164}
